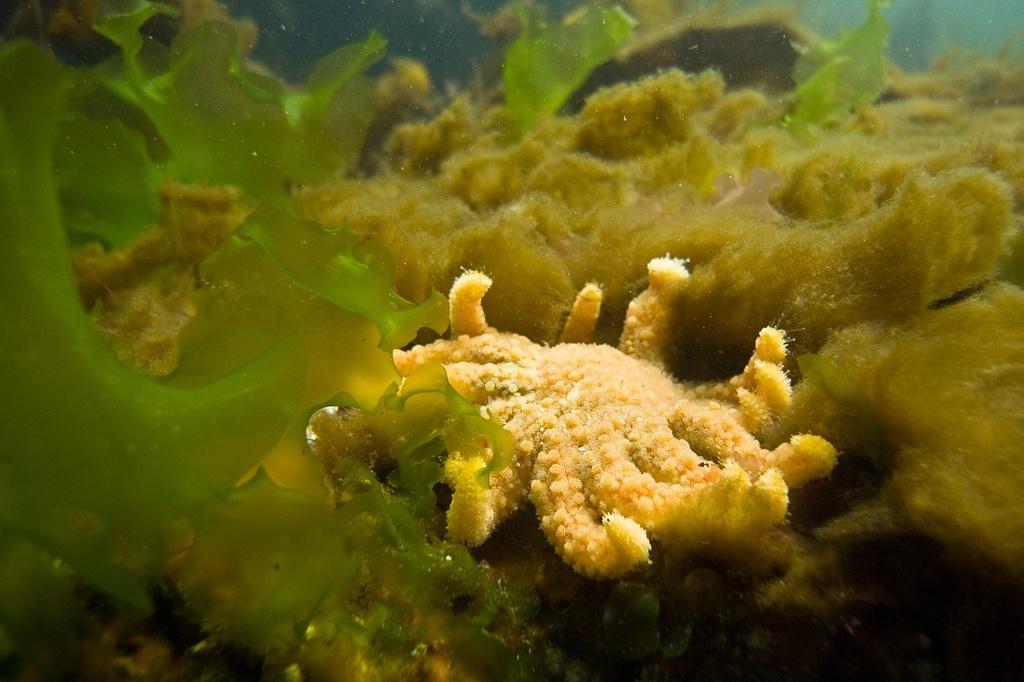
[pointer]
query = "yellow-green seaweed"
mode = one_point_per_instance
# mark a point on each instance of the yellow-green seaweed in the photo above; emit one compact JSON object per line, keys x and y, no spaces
{"x":113,"y":472}
{"x":100,"y":457}
{"x":835,"y":77}
{"x":197,"y":112}
{"x":546,"y":63}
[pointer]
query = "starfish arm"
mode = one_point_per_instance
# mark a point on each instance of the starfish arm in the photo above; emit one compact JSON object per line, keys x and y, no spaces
{"x":763,"y":375}
{"x":579,"y":327}
{"x":623,"y":488}
{"x":655,"y":450}
{"x":762,"y":390}
{"x":466,"y":311}
{"x":605,"y":547}
{"x":471,"y":517}
{"x":726,"y":516}
{"x":716,"y":431}
{"x":804,"y":458}
{"x":476,"y":509}
{"x":646,"y":333}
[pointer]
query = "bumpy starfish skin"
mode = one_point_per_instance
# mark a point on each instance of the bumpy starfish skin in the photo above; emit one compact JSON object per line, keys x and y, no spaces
{"x":609,"y":448}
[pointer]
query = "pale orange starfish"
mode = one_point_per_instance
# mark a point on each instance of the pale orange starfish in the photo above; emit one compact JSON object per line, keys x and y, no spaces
{"x":609,"y":448}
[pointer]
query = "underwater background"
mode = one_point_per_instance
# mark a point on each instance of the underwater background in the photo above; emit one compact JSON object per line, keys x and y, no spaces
{"x":431,"y":339}
{"x":293,"y":35}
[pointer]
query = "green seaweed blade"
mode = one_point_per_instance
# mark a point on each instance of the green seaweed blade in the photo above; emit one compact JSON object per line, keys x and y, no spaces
{"x":98,"y":457}
{"x":328,"y":263}
{"x":547,"y":63}
{"x":197,"y":112}
{"x":833,"y":78}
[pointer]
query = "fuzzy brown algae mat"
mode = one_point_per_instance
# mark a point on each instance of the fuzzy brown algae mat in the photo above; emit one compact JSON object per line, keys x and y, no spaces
{"x":887,"y":249}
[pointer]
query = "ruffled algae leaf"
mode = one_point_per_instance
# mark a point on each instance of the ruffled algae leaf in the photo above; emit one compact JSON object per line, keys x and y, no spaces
{"x":122,"y":28}
{"x":332,"y":290}
{"x":106,"y":180}
{"x":221,"y":121}
{"x":340,"y":267}
{"x":197,"y":113}
{"x":835,"y":77}
{"x":278,"y":548}
{"x":547,"y":63}
{"x":99,"y":459}
{"x":336,"y":108}
{"x":104,"y":462}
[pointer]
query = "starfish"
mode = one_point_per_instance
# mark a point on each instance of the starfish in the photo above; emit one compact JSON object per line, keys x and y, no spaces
{"x":610,"y":449}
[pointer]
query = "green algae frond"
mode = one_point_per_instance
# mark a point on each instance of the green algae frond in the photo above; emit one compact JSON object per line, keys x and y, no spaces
{"x":196,"y":112}
{"x":341,"y":268}
{"x":835,"y":77}
{"x":128,"y":180}
{"x":106,"y":467}
{"x":548,"y":62}
{"x":99,"y":455}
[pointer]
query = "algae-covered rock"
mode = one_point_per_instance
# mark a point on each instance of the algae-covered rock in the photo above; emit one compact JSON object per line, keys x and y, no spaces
{"x":594,"y":197}
{"x":946,"y":392}
{"x":194,"y":221}
{"x":700,"y":38}
{"x":420,"y":147}
{"x":751,"y":269}
{"x":629,"y":120}
{"x":956,"y":396}
{"x":934,"y":238}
